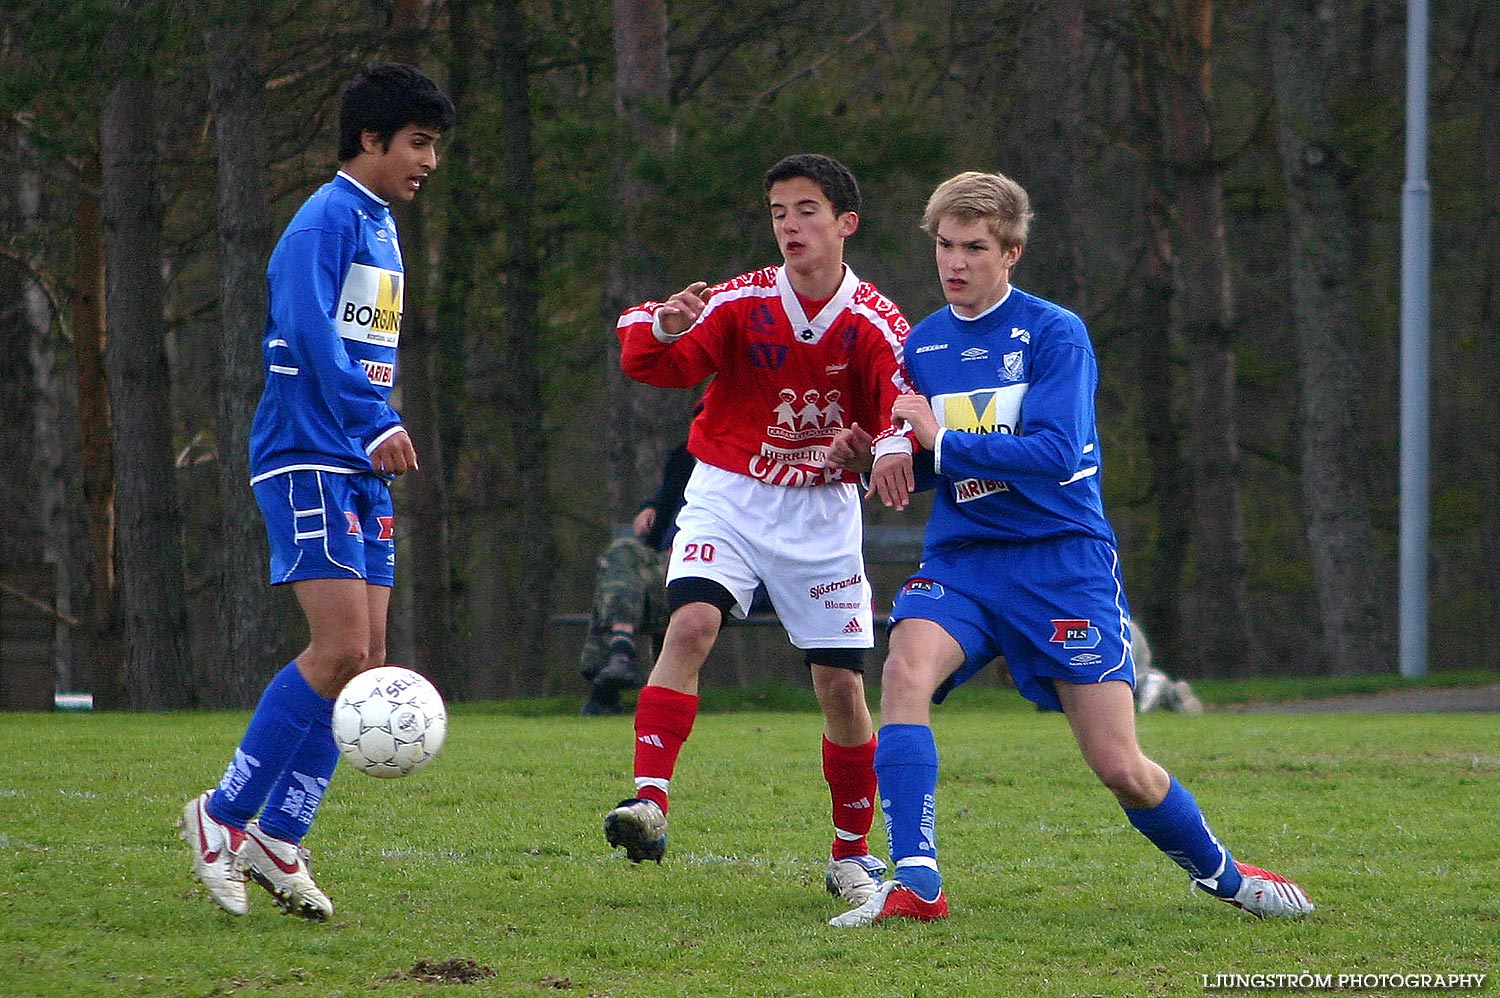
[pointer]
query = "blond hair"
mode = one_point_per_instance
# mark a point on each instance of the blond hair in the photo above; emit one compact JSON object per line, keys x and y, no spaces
{"x":998,"y":200}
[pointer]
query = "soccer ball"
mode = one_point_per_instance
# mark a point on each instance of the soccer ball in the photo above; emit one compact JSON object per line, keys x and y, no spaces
{"x":389,"y":722}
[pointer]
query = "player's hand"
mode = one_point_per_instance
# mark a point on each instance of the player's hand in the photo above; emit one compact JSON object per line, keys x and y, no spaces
{"x":395,"y":455}
{"x":680,"y":311}
{"x":914,"y":412}
{"x":644,"y":521}
{"x":850,"y":450}
{"x":893,"y":480}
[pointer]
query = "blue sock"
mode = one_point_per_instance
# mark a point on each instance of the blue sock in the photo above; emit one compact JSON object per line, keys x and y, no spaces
{"x":1177,"y":827}
{"x":294,"y":800}
{"x":906,"y":766}
{"x":286,"y":711}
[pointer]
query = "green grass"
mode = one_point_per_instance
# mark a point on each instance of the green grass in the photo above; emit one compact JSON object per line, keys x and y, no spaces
{"x":494,"y":854}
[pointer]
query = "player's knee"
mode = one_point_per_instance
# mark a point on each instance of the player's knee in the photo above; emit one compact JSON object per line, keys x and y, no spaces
{"x":328,"y":666}
{"x":1129,"y":781}
{"x":902,"y":682}
{"x":694,"y":628}
{"x":839,"y":688}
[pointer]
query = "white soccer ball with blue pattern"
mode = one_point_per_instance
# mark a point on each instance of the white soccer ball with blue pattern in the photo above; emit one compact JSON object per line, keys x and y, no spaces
{"x":389,"y":721}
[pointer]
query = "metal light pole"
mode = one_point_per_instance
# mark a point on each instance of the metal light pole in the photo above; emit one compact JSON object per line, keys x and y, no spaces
{"x":1416,"y":268}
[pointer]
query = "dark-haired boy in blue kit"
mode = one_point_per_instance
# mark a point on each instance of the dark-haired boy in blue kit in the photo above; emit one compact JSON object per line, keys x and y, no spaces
{"x":324,"y":446}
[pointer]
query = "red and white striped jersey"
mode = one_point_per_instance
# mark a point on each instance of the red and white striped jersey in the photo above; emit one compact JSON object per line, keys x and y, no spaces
{"x":783,"y":384}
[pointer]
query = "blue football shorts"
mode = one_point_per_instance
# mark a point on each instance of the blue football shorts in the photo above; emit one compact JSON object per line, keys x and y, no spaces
{"x":1054,"y":609}
{"x":324,"y":525}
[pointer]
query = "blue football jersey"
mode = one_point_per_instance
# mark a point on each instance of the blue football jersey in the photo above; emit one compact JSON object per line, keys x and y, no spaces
{"x":336,"y":291}
{"x":1018,"y":457}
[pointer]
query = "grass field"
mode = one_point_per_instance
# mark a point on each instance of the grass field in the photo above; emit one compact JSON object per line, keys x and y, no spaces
{"x":491,"y":864}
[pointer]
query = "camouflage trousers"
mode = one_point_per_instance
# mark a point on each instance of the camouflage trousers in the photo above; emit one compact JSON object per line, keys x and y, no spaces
{"x":630,"y":588}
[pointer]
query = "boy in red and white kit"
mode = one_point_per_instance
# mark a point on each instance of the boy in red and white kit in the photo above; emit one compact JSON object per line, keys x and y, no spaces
{"x":796,"y":352}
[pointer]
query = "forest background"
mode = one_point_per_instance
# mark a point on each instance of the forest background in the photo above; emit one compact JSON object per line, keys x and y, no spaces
{"x":1217,"y":190}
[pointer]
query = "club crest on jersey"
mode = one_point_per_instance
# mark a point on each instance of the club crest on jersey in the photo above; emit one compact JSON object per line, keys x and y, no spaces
{"x":1011,"y":367}
{"x":1074,"y":634}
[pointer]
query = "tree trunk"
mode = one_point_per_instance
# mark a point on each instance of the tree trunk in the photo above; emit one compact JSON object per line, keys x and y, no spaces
{"x":49,"y":425}
{"x":468,"y":227}
{"x":1156,"y":596}
{"x":1045,"y":153}
{"x":1220,"y":621}
{"x":1354,"y":595}
{"x":1488,"y":334}
{"x":253,"y":620}
{"x":95,"y":431}
{"x":645,"y":422}
{"x":428,"y":629}
{"x":532,"y":535}
{"x":150,"y":543}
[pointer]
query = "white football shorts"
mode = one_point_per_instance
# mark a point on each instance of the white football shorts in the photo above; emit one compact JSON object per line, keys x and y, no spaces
{"x":805,"y":544}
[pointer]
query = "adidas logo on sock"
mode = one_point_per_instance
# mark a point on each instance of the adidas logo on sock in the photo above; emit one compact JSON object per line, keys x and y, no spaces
{"x":863,"y":804}
{"x":853,"y":626}
{"x":654,"y":740}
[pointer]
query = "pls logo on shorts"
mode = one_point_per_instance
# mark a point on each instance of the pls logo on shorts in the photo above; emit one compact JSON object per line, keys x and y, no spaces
{"x":1074,"y":634}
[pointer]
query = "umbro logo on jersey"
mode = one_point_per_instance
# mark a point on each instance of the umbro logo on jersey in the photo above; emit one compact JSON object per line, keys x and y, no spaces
{"x":975,"y":353}
{"x":653,"y":740}
{"x":853,"y":626}
{"x":1017,"y":333}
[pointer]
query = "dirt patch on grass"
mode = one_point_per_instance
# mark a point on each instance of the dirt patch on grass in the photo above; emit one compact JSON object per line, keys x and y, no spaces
{"x":457,"y":971}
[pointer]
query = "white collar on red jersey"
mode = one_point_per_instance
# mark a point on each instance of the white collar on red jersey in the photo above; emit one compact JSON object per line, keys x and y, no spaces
{"x":805,"y":330}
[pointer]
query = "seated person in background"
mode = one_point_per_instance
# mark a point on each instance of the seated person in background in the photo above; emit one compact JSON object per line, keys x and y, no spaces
{"x":1153,"y":687}
{"x":630,"y":591}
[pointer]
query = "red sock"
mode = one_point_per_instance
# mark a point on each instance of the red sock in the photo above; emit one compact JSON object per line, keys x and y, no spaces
{"x":850,"y":772}
{"x":663,"y":720}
